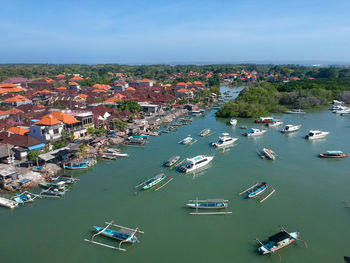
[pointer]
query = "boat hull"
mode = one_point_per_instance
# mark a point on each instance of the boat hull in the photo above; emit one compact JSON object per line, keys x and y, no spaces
{"x":207,"y":206}
{"x":324,"y":155}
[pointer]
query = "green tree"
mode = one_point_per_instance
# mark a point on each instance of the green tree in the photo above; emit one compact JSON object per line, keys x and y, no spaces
{"x":33,"y":155}
{"x":119,"y":124}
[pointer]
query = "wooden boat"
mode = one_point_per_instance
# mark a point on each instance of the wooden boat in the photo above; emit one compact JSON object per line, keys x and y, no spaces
{"x":296,"y":111}
{"x":217,"y":203}
{"x":257,"y":190}
{"x":291,"y":128}
{"x":123,"y":234}
{"x":25,"y":197}
{"x":52,"y":192}
{"x":158,"y":181}
{"x":49,"y":185}
{"x":264,"y":120}
{"x":270,"y":154}
{"x":8,"y":203}
{"x":205,"y":132}
{"x":136,"y":142}
{"x":172,"y":161}
{"x":278,"y":241}
{"x":122,"y":155}
{"x":333,"y":154}
{"x":187,"y":141}
{"x":67,"y":179}
{"x":85,"y":164}
{"x":109,"y":156}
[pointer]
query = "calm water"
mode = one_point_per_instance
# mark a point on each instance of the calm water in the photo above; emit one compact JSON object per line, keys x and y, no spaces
{"x":310,"y":196}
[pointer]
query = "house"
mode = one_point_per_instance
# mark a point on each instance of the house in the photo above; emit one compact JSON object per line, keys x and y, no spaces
{"x":74,"y":86}
{"x":7,"y":175}
{"x":47,"y":129}
{"x":17,"y":101}
{"x":146,"y":82}
{"x":149,"y":109}
{"x":181,"y":85}
{"x":184,"y":93}
{"x":6,"y":152}
{"x":18,"y":130}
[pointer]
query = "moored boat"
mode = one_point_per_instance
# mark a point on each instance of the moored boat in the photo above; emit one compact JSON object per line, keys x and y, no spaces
{"x":153,"y":181}
{"x":269,"y":153}
{"x":333,"y":154}
{"x":224,"y":140}
{"x":123,"y":234}
{"x":171,"y":161}
{"x":205,"y":132}
{"x":254,"y":132}
{"x":208,"y":204}
{"x":8,"y":203}
{"x":264,"y":120}
{"x":188,"y":140}
{"x":295,"y":111}
{"x":56,"y":185}
{"x":80,"y":165}
{"x":257,"y":190}
{"x":315,"y":134}
{"x":233,"y":121}
{"x":195,"y":163}
{"x":274,"y":123}
{"x":291,"y":128}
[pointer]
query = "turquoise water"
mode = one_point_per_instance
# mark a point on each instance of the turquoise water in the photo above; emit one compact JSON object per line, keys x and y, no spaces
{"x":311,"y":194}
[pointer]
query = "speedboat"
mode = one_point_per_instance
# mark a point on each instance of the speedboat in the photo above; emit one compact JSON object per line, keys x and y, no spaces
{"x":224,"y":140}
{"x":291,"y":128}
{"x":274,"y":123}
{"x":254,"y":132}
{"x":314,"y":134}
{"x":296,"y":111}
{"x":264,"y":120}
{"x":333,"y":154}
{"x":233,"y":121}
{"x":193,"y":164}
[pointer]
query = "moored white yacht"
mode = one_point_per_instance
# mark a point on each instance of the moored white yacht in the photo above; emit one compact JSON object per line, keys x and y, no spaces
{"x":291,"y":128}
{"x":193,"y":164}
{"x":224,"y":140}
{"x":314,"y":134}
{"x":254,"y":132}
{"x":233,"y":121}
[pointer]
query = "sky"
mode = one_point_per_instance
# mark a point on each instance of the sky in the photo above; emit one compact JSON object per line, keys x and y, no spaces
{"x":162,"y":31}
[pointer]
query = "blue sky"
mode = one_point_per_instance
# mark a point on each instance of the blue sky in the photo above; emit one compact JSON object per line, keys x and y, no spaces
{"x":160,"y":31}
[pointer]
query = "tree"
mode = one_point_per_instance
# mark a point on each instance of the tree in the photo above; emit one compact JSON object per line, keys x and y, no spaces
{"x":33,"y":155}
{"x":119,"y":124}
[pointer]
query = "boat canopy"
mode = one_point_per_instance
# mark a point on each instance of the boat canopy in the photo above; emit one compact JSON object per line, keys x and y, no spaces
{"x":334,"y":152}
{"x":279,"y":236}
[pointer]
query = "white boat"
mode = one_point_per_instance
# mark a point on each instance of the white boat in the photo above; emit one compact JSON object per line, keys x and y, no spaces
{"x":254,"y":132}
{"x":121,"y":154}
{"x":314,"y":134}
{"x":8,"y":203}
{"x":195,"y":163}
{"x":296,"y":111}
{"x":205,"y":132}
{"x":187,"y":140}
{"x":269,"y":153}
{"x":274,"y":123}
{"x":224,"y":140}
{"x":291,"y":128}
{"x":233,"y":121}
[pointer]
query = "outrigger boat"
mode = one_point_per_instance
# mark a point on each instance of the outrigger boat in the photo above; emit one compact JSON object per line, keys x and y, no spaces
{"x":208,"y":204}
{"x":188,"y":141}
{"x":123,"y":234}
{"x":155,"y":181}
{"x":48,"y":185}
{"x":67,"y":179}
{"x":257,"y":190}
{"x":52,"y":192}
{"x":25,"y":197}
{"x":172,"y":161}
{"x":333,"y":154}
{"x":205,"y":132}
{"x":85,"y":164}
{"x":278,"y":241}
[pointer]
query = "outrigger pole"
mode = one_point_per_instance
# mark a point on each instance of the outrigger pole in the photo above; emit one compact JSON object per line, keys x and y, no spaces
{"x":246,"y":190}
{"x":170,"y":179}
{"x":272,"y":192}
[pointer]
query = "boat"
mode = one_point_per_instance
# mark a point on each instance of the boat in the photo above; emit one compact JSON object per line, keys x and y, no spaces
{"x":278,"y":241}
{"x":224,"y":140}
{"x":24,"y":197}
{"x":257,"y":190}
{"x":80,"y":165}
{"x":139,"y":136}
{"x":264,"y":120}
{"x":333,"y":154}
{"x":188,"y":140}
{"x":67,"y":179}
{"x":274,"y":123}
{"x":195,"y":163}
{"x":295,"y":111}
{"x":121,"y":154}
{"x":314,"y":134}
{"x":291,"y":128}
{"x":254,"y":132}
{"x":171,"y":161}
{"x":233,"y":121}
{"x":53,"y":192}
{"x":109,"y":156}
{"x":50,"y":185}
{"x":153,"y":181}
{"x":208,"y":204}
{"x":136,"y":142}
{"x":269,"y":153}
{"x":8,"y":203}
{"x":205,"y":132}
{"x":122,"y":234}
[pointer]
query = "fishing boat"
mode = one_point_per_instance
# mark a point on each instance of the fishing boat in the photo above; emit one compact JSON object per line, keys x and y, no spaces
{"x":314,"y":134}
{"x":121,"y":155}
{"x":8,"y":203}
{"x":139,"y":137}
{"x":275,"y":123}
{"x":195,"y":163}
{"x":333,"y":154}
{"x":291,"y":128}
{"x":51,"y":185}
{"x":295,"y":111}
{"x":205,"y":132}
{"x":269,"y":153}
{"x":52,"y":192}
{"x":254,"y":132}
{"x":122,"y":234}
{"x":109,"y":156}
{"x":136,"y":142}
{"x":278,"y":241}
{"x":172,"y":161}
{"x":67,"y":179}
{"x":224,"y":140}
{"x":257,"y":190}
{"x":153,"y":181}
{"x":233,"y":121}
{"x":208,"y":204}
{"x":24,"y":197}
{"x":85,"y":164}
{"x":264,"y":120}
{"x":187,"y":141}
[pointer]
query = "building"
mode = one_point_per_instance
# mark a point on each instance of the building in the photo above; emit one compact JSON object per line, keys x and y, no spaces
{"x":146,"y":82}
{"x":149,"y":109}
{"x":74,"y":86}
{"x":47,"y":129}
{"x":17,"y":101}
